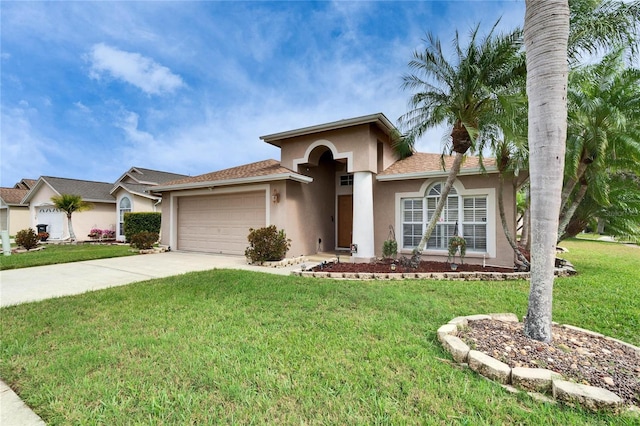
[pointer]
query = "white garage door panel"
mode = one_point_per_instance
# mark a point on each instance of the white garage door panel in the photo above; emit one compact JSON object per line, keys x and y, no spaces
{"x":219,"y":223}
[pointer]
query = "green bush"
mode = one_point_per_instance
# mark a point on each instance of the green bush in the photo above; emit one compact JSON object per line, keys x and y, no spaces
{"x":267,"y":244}
{"x":144,"y":240}
{"x":27,"y":238}
{"x":390,"y":249}
{"x":135,"y":223}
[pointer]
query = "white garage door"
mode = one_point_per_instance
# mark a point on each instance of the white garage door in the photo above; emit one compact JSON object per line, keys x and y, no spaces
{"x":219,"y":223}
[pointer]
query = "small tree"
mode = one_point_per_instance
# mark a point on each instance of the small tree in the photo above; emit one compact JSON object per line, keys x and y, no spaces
{"x":70,"y":203}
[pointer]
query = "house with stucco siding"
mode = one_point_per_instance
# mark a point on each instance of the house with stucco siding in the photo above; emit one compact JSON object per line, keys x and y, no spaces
{"x":340,"y":186}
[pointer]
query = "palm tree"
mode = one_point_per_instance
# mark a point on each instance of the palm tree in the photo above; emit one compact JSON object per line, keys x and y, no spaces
{"x":619,"y":210}
{"x":69,"y":204}
{"x":546,"y":34}
{"x":604,"y":131}
{"x":463,"y":93}
{"x":598,"y":26}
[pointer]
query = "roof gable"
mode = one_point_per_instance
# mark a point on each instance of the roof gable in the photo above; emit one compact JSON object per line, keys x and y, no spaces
{"x":378,"y":119}
{"x":25,"y":184}
{"x":139,"y":175}
{"x":88,"y":190}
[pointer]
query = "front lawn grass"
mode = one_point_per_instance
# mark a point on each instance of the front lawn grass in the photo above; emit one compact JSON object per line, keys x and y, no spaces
{"x":63,"y":253}
{"x":237,"y":347}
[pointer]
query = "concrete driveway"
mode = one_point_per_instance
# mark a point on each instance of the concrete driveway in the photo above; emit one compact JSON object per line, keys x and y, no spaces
{"x":44,"y":282}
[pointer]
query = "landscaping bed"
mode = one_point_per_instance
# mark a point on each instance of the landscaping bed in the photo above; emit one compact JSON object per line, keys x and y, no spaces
{"x":385,"y":265}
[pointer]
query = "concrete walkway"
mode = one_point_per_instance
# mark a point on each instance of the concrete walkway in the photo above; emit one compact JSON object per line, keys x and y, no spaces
{"x":45,"y":282}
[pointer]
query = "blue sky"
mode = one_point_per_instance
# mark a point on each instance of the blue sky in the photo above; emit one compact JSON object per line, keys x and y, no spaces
{"x":89,"y":89}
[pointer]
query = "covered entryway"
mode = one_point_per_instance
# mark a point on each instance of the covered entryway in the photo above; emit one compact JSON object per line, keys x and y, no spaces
{"x":219,"y":223}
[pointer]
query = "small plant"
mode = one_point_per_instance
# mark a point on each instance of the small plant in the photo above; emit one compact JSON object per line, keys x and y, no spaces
{"x":108,"y":234}
{"x":27,"y":238}
{"x":457,"y":244}
{"x":390,"y":249}
{"x":43,"y":235}
{"x":267,"y":244}
{"x":95,"y":233}
{"x":144,"y":240}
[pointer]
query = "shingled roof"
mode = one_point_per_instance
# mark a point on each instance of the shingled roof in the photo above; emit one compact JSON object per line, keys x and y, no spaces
{"x":13,"y":196}
{"x":88,"y":190}
{"x":422,"y":164}
{"x":150,"y":177}
{"x":258,"y":171}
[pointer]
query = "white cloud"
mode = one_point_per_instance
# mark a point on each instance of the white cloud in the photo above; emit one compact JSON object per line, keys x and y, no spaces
{"x":135,"y":69}
{"x":25,"y":153}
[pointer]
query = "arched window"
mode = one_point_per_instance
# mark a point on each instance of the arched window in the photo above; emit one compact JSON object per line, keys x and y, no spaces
{"x":125,"y":207}
{"x":462,"y":215}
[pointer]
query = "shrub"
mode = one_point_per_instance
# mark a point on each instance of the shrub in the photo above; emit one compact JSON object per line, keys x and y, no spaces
{"x":390,"y":249}
{"x":27,"y":238}
{"x":139,"y":222}
{"x":267,"y":244}
{"x":144,"y":240}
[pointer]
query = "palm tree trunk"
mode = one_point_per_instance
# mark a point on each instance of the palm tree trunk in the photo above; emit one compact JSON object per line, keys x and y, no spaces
{"x":505,"y":227}
{"x":571,"y":184}
{"x":453,"y":173}
{"x":525,"y":238}
{"x":566,"y":218}
{"x":72,"y":235}
{"x":546,"y":32}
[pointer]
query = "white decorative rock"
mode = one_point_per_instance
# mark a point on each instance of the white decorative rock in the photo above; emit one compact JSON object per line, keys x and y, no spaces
{"x":533,"y":379}
{"x":456,"y":347}
{"x":590,"y":397}
{"x":489,"y":367}
{"x":446,"y":330}
{"x":507,"y":317}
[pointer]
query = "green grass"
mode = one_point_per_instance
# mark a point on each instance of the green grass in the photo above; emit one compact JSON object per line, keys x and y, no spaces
{"x":234,"y":347}
{"x":63,"y":253}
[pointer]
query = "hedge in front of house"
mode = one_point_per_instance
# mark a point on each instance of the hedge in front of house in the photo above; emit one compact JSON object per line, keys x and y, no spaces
{"x":135,"y":223}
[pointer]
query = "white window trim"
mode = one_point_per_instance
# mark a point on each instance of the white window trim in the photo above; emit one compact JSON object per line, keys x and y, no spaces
{"x":119,"y":231}
{"x":490,"y":193}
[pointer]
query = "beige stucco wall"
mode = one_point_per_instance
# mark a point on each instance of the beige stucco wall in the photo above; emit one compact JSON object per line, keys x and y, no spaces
{"x":18,"y":218}
{"x":387,"y":211}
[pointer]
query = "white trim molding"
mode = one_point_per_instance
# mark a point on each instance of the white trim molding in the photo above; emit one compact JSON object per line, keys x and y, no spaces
{"x":334,"y":151}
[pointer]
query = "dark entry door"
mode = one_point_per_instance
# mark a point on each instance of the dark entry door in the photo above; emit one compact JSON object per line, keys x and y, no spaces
{"x":345,"y":220}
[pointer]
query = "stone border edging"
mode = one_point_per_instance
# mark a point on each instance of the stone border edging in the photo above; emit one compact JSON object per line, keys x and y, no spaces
{"x":445,"y":276}
{"x":532,"y":380}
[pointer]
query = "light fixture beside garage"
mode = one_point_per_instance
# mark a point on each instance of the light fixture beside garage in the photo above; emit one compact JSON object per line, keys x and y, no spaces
{"x":275,"y":196}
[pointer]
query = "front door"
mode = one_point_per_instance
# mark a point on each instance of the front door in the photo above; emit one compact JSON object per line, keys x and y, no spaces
{"x":345,"y":220}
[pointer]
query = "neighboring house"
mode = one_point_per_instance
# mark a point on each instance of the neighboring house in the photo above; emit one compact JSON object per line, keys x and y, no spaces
{"x":43,"y":212}
{"x":133,"y":192}
{"x":339,"y":186}
{"x":14,"y":215}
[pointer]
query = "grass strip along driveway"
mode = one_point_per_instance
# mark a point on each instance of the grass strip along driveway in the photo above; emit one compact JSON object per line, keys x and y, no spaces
{"x":53,"y":254}
{"x":236,"y":347}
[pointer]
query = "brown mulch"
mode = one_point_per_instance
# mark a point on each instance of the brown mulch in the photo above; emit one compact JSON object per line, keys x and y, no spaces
{"x":382,"y":266}
{"x":577,"y":356}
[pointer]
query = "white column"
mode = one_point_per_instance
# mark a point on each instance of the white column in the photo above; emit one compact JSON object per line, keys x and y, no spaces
{"x":363,"y":216}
